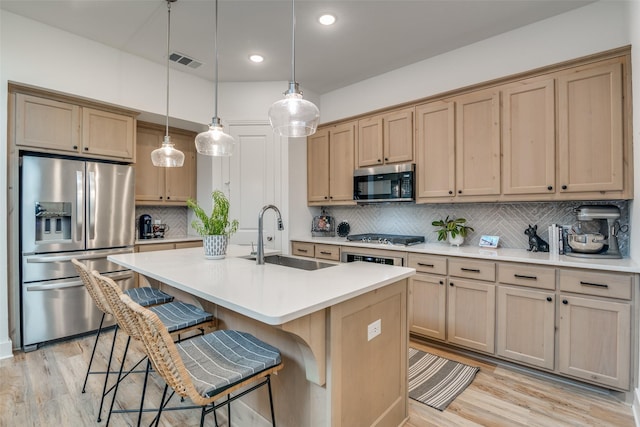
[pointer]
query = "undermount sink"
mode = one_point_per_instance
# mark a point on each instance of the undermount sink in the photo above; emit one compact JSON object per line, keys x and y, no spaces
{"x":286,"y":261}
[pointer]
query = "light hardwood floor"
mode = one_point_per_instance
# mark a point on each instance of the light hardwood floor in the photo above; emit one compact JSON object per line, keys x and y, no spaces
{"x":42,"y":388}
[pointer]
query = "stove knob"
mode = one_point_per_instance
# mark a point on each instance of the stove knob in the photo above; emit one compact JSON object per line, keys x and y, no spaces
{"x":386,"y":241}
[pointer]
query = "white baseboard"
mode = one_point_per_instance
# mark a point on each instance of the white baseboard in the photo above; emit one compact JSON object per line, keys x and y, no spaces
{"x":635,"y":407}
{"x":6,"y":349}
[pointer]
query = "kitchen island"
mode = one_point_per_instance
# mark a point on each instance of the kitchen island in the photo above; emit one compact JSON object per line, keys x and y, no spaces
{"x":342,"y":331}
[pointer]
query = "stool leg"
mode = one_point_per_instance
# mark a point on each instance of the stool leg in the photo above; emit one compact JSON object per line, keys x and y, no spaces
{"x":93,"y":352}
{"x":164,"y":393}
{"x":273,"y":415}
{"x":106,"y":375}
{"x":115,"y":390}
{"x":228,"y":410}
{"x":144,"y":389}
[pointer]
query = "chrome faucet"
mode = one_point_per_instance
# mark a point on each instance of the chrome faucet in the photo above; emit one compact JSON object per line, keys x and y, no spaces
{"x":260,"y":252}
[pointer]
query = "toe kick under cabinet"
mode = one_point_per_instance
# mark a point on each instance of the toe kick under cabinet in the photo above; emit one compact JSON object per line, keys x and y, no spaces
{"x":567,"y":321}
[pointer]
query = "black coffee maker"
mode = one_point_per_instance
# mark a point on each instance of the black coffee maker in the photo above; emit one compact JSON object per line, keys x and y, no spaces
{"x":145,"y":229}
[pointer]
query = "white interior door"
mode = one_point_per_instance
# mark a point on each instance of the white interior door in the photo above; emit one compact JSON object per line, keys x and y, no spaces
{"x":254,"y":180}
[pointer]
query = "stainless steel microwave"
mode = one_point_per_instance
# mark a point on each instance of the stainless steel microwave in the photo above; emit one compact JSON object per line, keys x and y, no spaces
{"x":389,"y":183}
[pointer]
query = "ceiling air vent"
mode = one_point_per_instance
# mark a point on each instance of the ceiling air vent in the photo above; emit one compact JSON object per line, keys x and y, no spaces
{"x":184,"y":60}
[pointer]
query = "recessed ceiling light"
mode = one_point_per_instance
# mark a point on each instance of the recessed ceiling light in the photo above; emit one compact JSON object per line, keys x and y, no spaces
{"x":327,"y":19}
{"x":256,"y":58}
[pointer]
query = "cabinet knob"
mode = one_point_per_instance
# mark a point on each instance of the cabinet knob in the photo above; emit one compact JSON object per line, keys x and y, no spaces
{"x":564,"y":187}
{"x":450,"y":192}
{"x":86,"y":148}
{"x":379,"y":161}
{"x":168,"y":197}
{"x":325,"y":197}
{"x":459,"y":191}
{"x":442,"y":282}
{"x":75,"y":147}
{"x":565,"y":302}
{"x":549,"y":299}
{"x":386,"y":159}
{"x":160,"y":197}
{"x":450,"y":283}
{"x":550,"y":188}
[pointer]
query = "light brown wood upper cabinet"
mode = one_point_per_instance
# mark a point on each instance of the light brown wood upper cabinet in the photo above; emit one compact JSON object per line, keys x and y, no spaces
{"x":590,"y":128}
{"x":386,"y":138}
{"x":330,"y":165}
{"x":458,"y":147}
{"x":164,"y":186}
{"x":107,"y":134}
{"x":528,"y":137}
{"x":53,"y":125}
{"x":435,"y":150}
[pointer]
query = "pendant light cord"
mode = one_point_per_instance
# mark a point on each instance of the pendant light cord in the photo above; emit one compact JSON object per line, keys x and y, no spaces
{"x":168,"y":41}
{"x":215,"y":44}
{"x":293,"y":41}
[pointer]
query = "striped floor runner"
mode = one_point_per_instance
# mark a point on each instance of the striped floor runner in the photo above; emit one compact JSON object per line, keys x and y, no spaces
{"x":436,"y":381}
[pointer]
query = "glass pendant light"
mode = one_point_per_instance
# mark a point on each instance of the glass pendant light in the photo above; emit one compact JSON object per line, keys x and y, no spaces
{"x":215,"y":142}
{"x":294,"y":116}
{"x":167,"y":156}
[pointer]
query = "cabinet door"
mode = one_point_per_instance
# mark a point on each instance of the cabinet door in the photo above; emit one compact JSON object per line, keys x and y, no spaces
{"x":526,"y":326}
{"x":398,"y":136}
{"x":107,"y":134}
{"x":150,"y":180}
{"x":318,"y":166}
{"x":48,"y":124}
{"x":341,"y":161}
{"x":478,"y":144}
{"x":180,"y":183}
{"x":435,"y":150}
{"x":471,"y":316}
{"x":370,"y":137}
{"x":427,"y":299}
{"x":528,"y":138}
{"x":590,"y":128}
{"x":594,"y":340}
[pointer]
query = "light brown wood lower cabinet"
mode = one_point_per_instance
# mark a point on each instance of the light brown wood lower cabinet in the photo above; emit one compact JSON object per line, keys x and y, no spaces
{"x":595,"y":340}
{"x":427,"y":305}
{"x":471,"y":314}
{"x":526,"y":326}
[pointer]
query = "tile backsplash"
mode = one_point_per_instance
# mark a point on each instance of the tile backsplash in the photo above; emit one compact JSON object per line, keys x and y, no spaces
{"x":174,"y":216}
{"x":507,"y":220}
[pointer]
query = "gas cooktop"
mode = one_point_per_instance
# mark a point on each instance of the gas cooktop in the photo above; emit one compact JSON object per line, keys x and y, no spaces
{"x":389,"y":239}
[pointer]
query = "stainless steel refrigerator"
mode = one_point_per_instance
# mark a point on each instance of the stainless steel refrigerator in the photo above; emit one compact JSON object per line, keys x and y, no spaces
{"x":70,"y":209}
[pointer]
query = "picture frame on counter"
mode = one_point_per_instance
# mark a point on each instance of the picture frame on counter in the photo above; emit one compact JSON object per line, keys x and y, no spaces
{"x":489,"y":241}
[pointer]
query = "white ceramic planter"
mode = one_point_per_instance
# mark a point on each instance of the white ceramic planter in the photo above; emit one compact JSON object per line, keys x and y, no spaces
{"x":456,"y":241}
{"x":215,"y":247}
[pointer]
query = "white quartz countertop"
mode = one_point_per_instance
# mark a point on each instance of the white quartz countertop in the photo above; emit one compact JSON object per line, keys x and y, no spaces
{"x":268,"y":293}
{"x":173,"y":239}
{"x":499,"y":254}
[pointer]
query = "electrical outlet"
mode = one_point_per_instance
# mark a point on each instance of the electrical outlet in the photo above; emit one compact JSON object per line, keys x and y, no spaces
{"x":374,"y":329}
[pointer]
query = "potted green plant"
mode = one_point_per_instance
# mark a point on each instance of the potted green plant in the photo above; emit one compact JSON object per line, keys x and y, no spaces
{"x":454,"y":230}
{"x":216,"y":228}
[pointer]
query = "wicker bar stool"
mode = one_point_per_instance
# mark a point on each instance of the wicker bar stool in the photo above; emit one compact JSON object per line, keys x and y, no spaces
{"x":208,"y":367}
{"x":177,"y":317}
{"x":145,"y":296}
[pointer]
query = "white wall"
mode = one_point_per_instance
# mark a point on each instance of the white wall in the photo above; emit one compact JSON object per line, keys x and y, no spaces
{"x":590,"y":29}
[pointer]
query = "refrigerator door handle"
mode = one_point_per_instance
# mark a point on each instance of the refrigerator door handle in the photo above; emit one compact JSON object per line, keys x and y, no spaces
{"x":92,"y":205}
{"x":52,"y":286}
{"x":67,"y":258}
{"x":79,"y":205}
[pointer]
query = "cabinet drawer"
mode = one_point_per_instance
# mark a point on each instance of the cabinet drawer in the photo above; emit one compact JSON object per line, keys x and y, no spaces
{"x":481,"y":270}
{"x":156,"y":247}
{"x":428,"y":264}
{"x":331,"y":252}
{"x":303,"y":249}
{"x":612,"y":285}
{"x":527,"y":275}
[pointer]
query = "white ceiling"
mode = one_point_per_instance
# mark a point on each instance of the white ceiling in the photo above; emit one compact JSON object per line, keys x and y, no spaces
{"x":368,"y":39}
